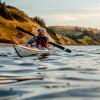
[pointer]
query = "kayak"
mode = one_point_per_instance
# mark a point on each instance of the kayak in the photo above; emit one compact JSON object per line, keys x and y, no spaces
{"x":23,"y":51}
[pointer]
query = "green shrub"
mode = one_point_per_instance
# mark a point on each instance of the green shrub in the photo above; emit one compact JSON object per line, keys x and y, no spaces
{"x":50,"y":30}
{"x":74,"y":36}
{"x":86,"y":40}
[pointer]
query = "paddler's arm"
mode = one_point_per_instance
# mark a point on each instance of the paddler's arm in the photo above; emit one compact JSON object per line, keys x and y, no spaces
{"x":33,"y":39}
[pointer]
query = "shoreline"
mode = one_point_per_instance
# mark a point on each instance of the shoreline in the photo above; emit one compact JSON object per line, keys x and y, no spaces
{"x":9,"y":45}
{"x":5,"y":44}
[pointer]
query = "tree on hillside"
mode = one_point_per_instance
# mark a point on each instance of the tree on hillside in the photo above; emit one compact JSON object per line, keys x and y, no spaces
{"x":2,"y":6}
{"x":40,"y":21}
{"x":4,"y":11}
{"x":0,"y":2}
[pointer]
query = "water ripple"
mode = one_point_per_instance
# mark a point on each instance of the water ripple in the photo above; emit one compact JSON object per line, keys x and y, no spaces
{"x":59,"y":76}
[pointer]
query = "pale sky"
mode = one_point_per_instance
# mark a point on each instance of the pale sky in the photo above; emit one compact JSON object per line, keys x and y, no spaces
{"x":84,"y":13}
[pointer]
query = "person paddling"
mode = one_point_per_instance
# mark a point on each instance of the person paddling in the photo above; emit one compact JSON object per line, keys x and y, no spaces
{"x":31,"y":41}
{"x":41,"y":40}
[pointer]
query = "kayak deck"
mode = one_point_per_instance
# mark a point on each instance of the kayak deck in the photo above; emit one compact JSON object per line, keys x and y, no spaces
{"x":23,"y":51}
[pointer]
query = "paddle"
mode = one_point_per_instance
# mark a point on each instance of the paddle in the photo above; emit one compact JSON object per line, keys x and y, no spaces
{"x":55,"y":44}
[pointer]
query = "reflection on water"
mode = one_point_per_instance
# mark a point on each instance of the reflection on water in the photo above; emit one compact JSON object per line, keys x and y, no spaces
{"x":58,"y":76}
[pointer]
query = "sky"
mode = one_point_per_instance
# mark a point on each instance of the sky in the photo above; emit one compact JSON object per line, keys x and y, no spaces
{"x":84,"y":13}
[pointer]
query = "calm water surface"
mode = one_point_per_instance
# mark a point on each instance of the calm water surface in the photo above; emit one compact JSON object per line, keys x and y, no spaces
{"x":59,"y":76}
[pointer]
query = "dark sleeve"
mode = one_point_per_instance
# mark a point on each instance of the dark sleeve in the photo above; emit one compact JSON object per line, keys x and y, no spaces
{"x":32,"y":40}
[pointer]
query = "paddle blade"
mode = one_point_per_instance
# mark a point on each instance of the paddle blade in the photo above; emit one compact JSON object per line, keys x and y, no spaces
{"x":68,"y":50}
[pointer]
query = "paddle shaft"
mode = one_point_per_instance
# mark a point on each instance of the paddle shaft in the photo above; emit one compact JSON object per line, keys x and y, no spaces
{"x":60,"y":47}
{"x":55,"y":44}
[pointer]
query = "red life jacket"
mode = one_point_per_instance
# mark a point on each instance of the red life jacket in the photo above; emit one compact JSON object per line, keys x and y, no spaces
{"x":42,"y":41}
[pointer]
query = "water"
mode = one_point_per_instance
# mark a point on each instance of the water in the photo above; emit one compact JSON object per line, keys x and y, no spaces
{"x":59,"y":76}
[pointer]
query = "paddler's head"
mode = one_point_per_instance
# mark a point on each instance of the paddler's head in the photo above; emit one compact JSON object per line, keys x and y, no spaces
{"x":41,"y":31}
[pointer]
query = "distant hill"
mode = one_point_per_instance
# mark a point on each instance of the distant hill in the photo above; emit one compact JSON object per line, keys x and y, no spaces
{"x":80,"y":35}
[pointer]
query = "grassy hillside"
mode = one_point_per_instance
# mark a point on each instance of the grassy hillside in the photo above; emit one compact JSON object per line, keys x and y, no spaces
{"x":10,"y":17}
